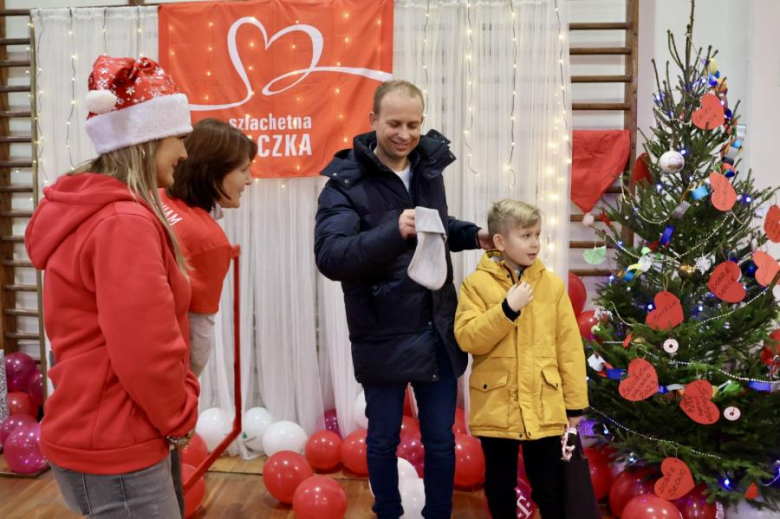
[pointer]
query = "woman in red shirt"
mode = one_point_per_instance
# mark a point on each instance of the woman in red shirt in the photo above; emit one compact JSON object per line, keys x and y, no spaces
{"x":211,"y":179}
{"x":115,"y":302}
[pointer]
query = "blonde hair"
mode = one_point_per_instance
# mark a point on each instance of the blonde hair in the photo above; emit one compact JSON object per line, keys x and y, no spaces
{"x":399,"y":86}
{"x":508,"y":214}
{"x":135,"y":166}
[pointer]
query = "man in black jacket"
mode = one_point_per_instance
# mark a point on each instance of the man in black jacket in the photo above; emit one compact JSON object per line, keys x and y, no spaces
{"x":401,"y":332}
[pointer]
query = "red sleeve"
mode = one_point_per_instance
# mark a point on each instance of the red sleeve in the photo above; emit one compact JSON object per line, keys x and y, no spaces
{"x":136,"y":313}
{"x":207,"y":275}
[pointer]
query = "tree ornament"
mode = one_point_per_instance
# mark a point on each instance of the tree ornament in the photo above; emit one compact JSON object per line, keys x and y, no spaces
{"x":732,"y":413}
{"x":672,"y":162}
{"x":697,"y":403}
{"x":641,"y":382}
{"x":687,"y":271}
{"x":671,"y":346}
{"x":703,"y":264}
{"x":677,"y":480}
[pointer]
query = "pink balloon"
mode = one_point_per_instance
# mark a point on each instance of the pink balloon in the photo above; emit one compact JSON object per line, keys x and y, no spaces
{"x":332,"y":422}
{"x":411,"y":449}
{"x":526,"y":508}
{"x":19,"y":369}
{"x":35,"y":388}
{"x":8,"y":425}
{"x":22,"y":450}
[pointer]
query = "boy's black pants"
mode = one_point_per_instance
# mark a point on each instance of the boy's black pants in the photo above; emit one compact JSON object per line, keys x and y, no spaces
{"x":544,"y":468}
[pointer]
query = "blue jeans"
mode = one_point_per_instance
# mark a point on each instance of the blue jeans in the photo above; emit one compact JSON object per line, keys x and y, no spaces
{"x":147,"y":493}
{"x":384,"y":410}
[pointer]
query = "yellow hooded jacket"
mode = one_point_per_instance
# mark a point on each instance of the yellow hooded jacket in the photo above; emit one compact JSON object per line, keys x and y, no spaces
{"x":527,"y":372}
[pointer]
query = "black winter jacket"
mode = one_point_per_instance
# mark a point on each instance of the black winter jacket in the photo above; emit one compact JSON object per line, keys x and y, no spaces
{"x":393,"y":321}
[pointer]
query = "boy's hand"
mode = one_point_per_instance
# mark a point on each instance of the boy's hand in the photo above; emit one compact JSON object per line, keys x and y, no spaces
{"x":519,"y":295}
{"x":406,"y":224}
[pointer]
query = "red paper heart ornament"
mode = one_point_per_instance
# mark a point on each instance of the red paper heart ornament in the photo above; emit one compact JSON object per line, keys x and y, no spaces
{"x":677,"y":480}
{"x":668,"y":312}
{"x":641,"y":382}
{"x":752,"y":492}
{"x":724,"y":282}
{"x":711,"y":114}
{"x":697,"y":403}
{"x":723,"y":195}
{"x":767,"y":268}
{"x":772,"y":223}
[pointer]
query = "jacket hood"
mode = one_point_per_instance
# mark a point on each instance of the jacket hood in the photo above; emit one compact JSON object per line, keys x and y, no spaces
{"x":67,"y":204}
{"x":432,"y":155}
{"x":492,"y":263}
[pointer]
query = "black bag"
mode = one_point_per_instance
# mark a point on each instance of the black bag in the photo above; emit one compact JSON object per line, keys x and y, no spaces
{"x":579,"y":497}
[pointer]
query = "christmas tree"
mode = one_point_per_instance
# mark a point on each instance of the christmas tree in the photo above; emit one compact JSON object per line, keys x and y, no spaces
{"x":682,"y":362}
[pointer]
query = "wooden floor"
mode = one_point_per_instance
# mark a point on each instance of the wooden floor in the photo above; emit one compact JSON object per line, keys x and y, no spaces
{"x":234,"y":489}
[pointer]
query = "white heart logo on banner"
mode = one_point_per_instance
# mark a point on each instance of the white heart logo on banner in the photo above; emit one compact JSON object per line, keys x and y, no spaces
{"x":317,"y":43}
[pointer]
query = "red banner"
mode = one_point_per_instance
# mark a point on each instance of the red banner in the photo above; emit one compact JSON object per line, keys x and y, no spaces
{"x":297,"y":76}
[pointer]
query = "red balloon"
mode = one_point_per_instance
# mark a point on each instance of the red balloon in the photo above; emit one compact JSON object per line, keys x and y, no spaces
{"x":19,"y":403}
{"x":771,"y":348}
{"x":469,"y":461}
{"x":8,"y":425}
{"x":35,"y":388}
{"x":283,"y":472}
{"x":596,"y":456}
{"x":601,"y":479}
{"x":19,"y":369}
{"x":586,"y":321}
{"x":319,"y":497}
{"x":600,"y":473}
{"x":577,"y":293}
{"x":194,"y":496}
{"x":411,"y":449}
{"x":323,"y":450}
{"x":408,"y":411}
{"x":459,"y":427}
{"x":195,"y":452}
{"x":630,"y":483}
{"x":694,"y":505}
{"x":353,"y":452}
{"x":521,"y":475}
{"x":650,"y":506}
{"x":410,"y":425}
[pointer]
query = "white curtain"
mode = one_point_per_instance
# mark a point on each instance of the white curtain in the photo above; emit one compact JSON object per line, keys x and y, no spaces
{"x":496,"y":78}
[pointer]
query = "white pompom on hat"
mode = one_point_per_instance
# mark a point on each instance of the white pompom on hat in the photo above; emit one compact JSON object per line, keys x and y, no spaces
{"x":133,"y":101}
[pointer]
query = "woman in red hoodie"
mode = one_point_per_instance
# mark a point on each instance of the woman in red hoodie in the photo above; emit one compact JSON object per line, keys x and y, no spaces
{"x":115,"y":302}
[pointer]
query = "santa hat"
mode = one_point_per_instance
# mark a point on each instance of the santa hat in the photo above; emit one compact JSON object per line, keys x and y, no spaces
{"x":133,"y":101}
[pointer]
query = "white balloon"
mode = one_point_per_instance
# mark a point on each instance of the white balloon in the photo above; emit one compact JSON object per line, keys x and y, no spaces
{"x":213,"y":426}
{"x":406,"y":471}
{"x":743,"y":510}
{"x":256,"y":421}
{"x":412,"y":498}
{"x":284,"y":436}
{"x":360,"y":411}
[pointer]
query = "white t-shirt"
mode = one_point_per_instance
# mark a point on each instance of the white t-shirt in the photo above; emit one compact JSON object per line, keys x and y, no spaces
{"x":406,"y":176}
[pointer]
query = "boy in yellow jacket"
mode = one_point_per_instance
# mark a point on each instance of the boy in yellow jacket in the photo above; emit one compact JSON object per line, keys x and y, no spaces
{"x":528,"y":378}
